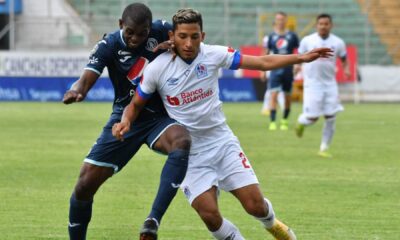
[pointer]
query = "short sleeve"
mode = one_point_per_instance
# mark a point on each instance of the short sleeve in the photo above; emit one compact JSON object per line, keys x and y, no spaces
{"x":99,"y":57}
{"x":265,"y":42}
{"x":227,"y":57}
{"x":303,"y":46}
{"x":342,"y":52}
{"x":148,"y":83}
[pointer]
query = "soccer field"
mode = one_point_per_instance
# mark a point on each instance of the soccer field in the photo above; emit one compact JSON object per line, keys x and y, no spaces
{"x":355,"y":195}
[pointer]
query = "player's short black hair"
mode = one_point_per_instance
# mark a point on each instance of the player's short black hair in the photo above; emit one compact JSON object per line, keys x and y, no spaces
{"x":281,"y":13}
{"x":187,"y":15}
{"x":138,"y":13}
{"x":324,"y":15}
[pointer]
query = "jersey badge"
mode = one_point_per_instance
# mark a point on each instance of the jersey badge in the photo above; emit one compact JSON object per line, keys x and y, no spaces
{"x":151,"y":44}
{"x":201,"y":70}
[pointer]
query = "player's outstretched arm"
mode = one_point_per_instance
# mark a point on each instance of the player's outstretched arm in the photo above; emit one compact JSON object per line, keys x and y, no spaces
{"x":131,"y":112}
{"x":270,"y":62}
{"x":81,"y":87}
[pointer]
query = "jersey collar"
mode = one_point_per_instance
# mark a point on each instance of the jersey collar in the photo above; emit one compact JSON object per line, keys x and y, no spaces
{"x":122,"y":37}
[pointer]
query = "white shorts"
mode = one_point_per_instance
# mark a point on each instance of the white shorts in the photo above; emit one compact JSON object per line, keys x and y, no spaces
{"x":321,"y":101}
{"x":224,"y":166}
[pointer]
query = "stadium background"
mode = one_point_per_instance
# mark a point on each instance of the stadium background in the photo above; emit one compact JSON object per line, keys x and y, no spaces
{"x":44,"y":46}
{"x":46,"y":42}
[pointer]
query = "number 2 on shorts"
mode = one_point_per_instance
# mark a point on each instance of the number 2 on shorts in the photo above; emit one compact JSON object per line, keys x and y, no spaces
{"x":244,"y":160}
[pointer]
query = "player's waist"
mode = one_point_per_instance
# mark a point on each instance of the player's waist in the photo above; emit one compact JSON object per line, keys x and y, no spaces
{"x":204,"y":139}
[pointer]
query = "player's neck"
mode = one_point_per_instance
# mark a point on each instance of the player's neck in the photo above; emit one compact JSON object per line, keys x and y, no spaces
{"x":280,"y":31}
{"x":326,"y":36}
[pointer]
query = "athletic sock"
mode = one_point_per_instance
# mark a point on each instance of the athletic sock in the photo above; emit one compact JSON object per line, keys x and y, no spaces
{"x":227,"y":231}
{"x":304,"y":120}
{"x":80,"y":213}
{"x":172,"y":175}
{"x":272,"y":115}
{"x":268,"y":220}
{"x":327,"y":133}
{"x":286,"y":113}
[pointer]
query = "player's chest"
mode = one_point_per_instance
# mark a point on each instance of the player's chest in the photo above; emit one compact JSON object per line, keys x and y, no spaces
{"x":282,"y":42}
{"x":190,"y":84}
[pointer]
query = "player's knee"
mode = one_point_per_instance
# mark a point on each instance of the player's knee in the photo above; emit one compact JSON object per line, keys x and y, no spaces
{"x":256,"y":207}
{"x":313,"y":119}
{"x":90,"y":179}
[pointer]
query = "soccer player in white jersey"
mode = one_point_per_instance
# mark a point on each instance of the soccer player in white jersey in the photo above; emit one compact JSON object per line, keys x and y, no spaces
{"x":321,"y":97}
{"x":188,"y":86}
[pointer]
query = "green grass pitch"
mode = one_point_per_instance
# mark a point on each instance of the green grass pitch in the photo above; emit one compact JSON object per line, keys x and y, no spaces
{"x":355,"y":195}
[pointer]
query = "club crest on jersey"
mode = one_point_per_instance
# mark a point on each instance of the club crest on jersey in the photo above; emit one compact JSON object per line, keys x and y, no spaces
{"x":151,"y":44}
{"x":201,"y":70}
{"x":135,"y":74}
{"x":187,"y":192}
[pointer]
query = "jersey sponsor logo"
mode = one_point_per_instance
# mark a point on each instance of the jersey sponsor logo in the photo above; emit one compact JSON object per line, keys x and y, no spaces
{"x":189,"y":97}
{"x":172,"y":81}
{"x":125,"y":56}
{"x":201,"y":70}
{"x":174,"y":101}
{"x":135,"y":74}
{"x":282,"y":43}
{"x":151,"y":44}
{"x":123,"y":53}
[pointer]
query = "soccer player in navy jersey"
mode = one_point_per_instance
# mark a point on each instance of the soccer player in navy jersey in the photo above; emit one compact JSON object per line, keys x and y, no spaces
{"x":126,"y":53}
{"x":281,"y":41}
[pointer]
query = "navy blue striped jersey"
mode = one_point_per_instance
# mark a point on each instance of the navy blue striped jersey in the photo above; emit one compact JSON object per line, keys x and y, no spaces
{"x":125,"y":66}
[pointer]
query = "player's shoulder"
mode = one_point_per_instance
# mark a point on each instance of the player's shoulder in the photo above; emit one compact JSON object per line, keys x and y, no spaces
{"x":161,"y":25}
{"x":215,"y":49}
{"x":336,"y":38}
{"x":161,"y":61}
{"x":292,"y":33}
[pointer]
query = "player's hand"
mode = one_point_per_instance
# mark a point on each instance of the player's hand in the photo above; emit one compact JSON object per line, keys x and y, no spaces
{"x":315,"y":54}
{"x":167,"y":45}
{"x":347,"y":73}
{"x":119,"y":129}
{"x":72,"y":96}
{"x":263,"y":76}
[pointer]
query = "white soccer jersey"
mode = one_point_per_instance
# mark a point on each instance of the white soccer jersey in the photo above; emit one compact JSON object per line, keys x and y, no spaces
{"x":190,"y":92}
{"x":322,"y":71}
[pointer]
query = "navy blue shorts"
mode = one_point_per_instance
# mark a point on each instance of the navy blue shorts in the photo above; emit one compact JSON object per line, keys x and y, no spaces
{"x":110,"y":152}
{"x":281,"y":81}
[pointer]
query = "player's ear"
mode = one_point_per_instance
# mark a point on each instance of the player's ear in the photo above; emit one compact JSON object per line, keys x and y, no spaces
{"x":121,"y":23}
{"x":171,"y":35}
{"x":203,"y":36}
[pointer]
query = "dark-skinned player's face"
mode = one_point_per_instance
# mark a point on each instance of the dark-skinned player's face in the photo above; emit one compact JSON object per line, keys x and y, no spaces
{"x":187,"y":38}
{"x":134,"y":34}
{"x":324,"y":26}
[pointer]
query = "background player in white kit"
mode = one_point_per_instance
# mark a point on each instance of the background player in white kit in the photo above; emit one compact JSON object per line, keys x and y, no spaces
{"x":321,"y":97}
{"x":188,"y":87}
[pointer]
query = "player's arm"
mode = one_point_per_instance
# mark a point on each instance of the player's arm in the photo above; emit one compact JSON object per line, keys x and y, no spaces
{"x":270,"y":62}
{"x":131,"y":112}
{"x":263,"y":74}
{"x":98,"y":59}
{"x":346,"y":66}
{"x":81,"y":87}
{"x":144,"y":91}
